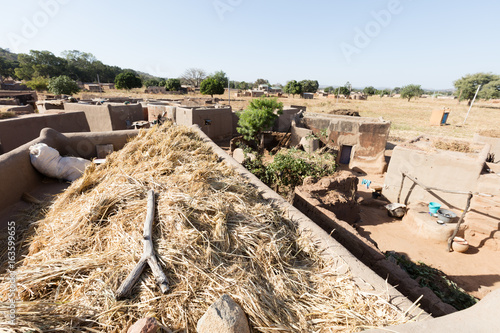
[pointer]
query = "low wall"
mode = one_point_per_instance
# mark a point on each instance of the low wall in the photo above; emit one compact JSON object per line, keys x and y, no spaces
{"x":441,"y":169}
{"x":157,"y":109}
{"x":217,"y":123}
{"x":493,"y":142}
{"x":17,"y":131}
{"x":482,"y":317}
{"x":17,"y":175}
{"x":369,"y":255}
{"x":108,"y":117}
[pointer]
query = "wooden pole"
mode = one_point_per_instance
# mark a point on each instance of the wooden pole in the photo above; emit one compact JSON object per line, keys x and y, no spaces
{"x":148,"y":256}
{"x":450,"y":240}
{"x":471,"y":104}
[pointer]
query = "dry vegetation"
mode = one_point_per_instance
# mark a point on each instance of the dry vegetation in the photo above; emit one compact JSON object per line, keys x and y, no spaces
{"x":213,"y":235}
{"x":409,"y":119}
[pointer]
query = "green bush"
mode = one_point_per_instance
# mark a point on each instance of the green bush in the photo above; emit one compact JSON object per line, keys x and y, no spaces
{"x":259,"y":116}
{"x":63,"y":85}
{"x":435,"y":280}
{"x":290,"y":167}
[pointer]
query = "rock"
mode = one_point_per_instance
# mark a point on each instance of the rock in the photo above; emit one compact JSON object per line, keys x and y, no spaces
{"x":239,"y":155}
{"x":224,"y":316}
{"x":309,"y":145}
{"x":144,"y":325}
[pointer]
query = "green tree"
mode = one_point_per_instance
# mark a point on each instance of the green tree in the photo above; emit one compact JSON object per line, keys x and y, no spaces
{"x":7,"y":67}
{"x":309,"y":86}
{"x":396,"y":90}
{"x":40,"y":63}
{"x":342,"y":91}
{"x":80,"y":65}
{"x":467,"y":85}
{"x":38,"y":83}
{"x":221,"y":77}
{"x":259,"y":116}
{"x":370,"y":91}
{"x":127,"y":80}
{"x":328,"y":89}
{"x":259,"y":82}
{"x":211,"y":86}
{"x":63,"y":85}
{"x":411,"y":91}
{"x":383,"y":92}
{"x":152,"y":83}
{"x":173,"y":84}
{"x":293,"y":87}
{"x":490,"y":90}
{"x":244,"y":86}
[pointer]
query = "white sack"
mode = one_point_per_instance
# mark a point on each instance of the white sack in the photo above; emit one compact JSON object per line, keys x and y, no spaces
{"x":48,"y":162}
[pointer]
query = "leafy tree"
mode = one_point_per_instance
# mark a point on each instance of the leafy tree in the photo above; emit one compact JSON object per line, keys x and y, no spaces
{"x":211,"y":86}
{"x":328,"y":89}
{"x":387,"y":92}
{"x":162,"y":83}
{"x":342,"y":91}
{"x":152,"y":83}
{"x":260,"y":81}
{"x":40,"y":63}
{"x":127,"y":80}
{"x":194,"y":76}
{"x":259,"y":116}
{"x":173,"y":84}
{"x":309,"y":86}
{"x":81,"y":65}
{"x":63,"y":85}
{"x":221,"y":77}
{"x":370,"y":91}
{"x":7,"y":67}
{"x":38,"y":83}
{"x":396,"y":90}
{"x":293,"y":87}
{"x":410,"y":91}
{"x":467,"y":85}
{"x":244,"y":86}
{"x":490,"y":90}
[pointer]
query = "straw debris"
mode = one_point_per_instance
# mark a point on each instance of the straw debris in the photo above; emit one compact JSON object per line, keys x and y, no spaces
{"x":213,"y":235}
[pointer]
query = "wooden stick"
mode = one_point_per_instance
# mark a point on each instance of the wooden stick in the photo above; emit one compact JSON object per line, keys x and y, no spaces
{"x":148,"y":256}
{"x":450,"y":240}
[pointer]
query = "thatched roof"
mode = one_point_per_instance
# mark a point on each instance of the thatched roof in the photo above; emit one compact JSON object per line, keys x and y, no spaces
{"x":213,"y":235}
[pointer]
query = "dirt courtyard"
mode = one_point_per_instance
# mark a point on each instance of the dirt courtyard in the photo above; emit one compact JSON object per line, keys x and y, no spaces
{"x":477,"y":271}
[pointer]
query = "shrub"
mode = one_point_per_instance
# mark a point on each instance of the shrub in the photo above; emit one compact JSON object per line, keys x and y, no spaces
{"x":63,"y":85}
{"x":259,"y":116}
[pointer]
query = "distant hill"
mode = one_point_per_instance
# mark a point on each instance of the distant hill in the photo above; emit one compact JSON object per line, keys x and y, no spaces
{"x":5,"y":53}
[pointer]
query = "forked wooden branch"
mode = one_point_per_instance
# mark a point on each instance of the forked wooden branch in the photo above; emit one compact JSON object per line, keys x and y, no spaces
{"x":148,"y":256}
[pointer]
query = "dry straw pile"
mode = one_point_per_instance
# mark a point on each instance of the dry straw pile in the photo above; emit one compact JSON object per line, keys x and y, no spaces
{"x":213,"y":234}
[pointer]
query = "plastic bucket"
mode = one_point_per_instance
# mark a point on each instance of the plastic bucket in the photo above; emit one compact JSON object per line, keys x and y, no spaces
{"x":434,"y":207}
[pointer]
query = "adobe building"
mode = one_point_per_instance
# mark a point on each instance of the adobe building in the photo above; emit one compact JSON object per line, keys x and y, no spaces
{"x":109,"y":116}
{"x":434,"y":167}
{"x":360,"y":141}
{"x":216,"y":122}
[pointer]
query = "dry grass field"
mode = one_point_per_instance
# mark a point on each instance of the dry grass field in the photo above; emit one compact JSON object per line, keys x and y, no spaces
{"x":409,"y":119}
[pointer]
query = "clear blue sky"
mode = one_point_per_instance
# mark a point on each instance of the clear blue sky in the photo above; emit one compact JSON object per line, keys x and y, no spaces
{"x":384,"y":43}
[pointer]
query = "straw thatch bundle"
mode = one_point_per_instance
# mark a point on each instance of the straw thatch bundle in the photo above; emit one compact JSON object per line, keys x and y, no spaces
{"x":213,"y":234}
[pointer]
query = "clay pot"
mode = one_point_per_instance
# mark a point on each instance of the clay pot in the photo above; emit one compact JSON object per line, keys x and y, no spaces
{"x":459,"y":244}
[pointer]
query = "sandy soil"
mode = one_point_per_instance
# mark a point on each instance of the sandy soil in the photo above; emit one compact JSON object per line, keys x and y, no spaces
{"x":477,"y":271}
